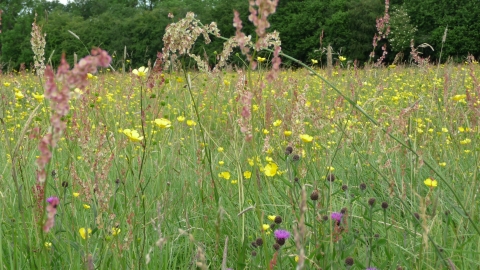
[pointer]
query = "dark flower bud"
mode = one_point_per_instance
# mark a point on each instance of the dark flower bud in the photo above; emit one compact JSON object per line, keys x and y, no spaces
{"x":343,"y":210}
{"x":416,"y":215}
{"x":384,"y":205}
{"x":65,"y":184}
{"x":344,"y":187}
{"x":349,"y":261}
{"x":276,"y":246}
{"x":254,"y":244}
{"x":371,"y":202}
{"x":288,"y":150}
{"x":281,"y":241}
{"x":259,"y":241}
{"x":314,"y":195}
{"x":278,"y":219}
{"x":330,"y":177}
{"x":254,"y":253}
{"x":325,"y":218}
{"x":295,"y":179}
{"x":296,"y":157}
{"x":363,"y":186}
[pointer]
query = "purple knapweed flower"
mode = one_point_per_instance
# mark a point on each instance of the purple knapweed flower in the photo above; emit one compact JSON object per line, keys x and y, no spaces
{"x":281,"y":234}
{"x":371,"y":268}
{"x":337,"y":216}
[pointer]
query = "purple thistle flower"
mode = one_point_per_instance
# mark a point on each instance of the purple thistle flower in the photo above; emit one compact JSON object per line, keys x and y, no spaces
{"x":337,"y":216}
{"x":371,"y":268}
{"x":281,"y":234}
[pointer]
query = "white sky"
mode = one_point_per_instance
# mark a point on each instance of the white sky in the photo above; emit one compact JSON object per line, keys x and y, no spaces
{"x":61,"y":1}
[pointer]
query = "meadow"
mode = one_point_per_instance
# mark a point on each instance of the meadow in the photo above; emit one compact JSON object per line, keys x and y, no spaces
{"x":130,"y":167}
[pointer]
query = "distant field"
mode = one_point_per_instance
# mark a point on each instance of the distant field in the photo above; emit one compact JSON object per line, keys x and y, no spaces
{"x":188,"y":170}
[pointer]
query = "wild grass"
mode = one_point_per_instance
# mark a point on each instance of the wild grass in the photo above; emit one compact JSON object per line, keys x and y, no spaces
{"x":178,"y":213}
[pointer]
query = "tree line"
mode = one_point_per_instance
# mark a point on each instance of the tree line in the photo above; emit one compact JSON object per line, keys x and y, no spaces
{"x":307,"y":28}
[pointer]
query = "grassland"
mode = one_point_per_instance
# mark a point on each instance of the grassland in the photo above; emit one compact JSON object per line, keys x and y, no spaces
{"x":222,"y":161}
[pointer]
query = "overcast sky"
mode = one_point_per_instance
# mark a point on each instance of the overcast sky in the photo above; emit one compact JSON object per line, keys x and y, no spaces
{"x":61,"y":1}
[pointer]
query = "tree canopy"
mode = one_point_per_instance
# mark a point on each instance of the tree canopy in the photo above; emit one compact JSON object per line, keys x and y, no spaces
{"x":306,"y":27}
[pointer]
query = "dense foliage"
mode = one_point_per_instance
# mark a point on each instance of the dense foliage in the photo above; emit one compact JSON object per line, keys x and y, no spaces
{"x":306,"y":27}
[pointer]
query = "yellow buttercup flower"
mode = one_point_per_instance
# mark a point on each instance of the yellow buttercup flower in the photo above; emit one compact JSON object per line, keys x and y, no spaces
{"x":191,"y":123}
{"x":181,"y":118}
{"x":459,"y":97}
{"x":163,"y":123}
{"x":76,"y":194}
{"x":271,"y":217}
{"x":306,"y":138}
{"x":287,"y":133}
{"x":225,"y":175}
{"x":277,"y":123}
{"x":314,"y":61}
{"x":140,"y":72}
{"x":247,"y":174}
{"x":429,"y":182}
{"x":261,"y":59}
{"x":38,"y":97}
{"x":116,"y":231}
{"x":48,"y":245}
{"x":6,"y":84}
{"x":342,"y":58}
{"x":84,"y":233}
{"x":133,"y":135}
{"x":19,"y":95}
{"x":270,"y":169}
{"x":266,"y":227}
{"x":220,"y":149}
{"x":86,"y":206}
